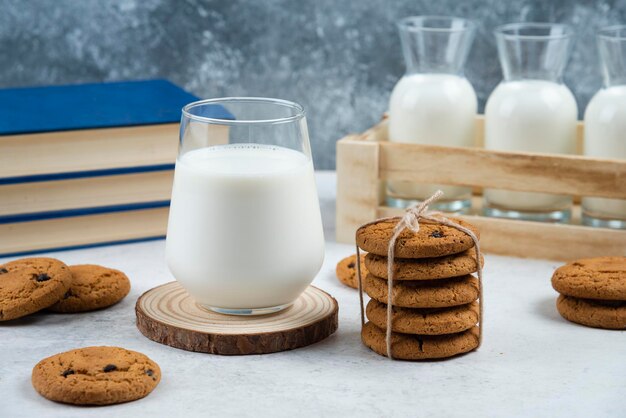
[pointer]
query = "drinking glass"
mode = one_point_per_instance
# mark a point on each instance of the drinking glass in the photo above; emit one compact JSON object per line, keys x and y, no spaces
{"x":245,"y":232}
{"x":433,"y":103}
{"x":531,"y":110}
{"x":605,"y":125}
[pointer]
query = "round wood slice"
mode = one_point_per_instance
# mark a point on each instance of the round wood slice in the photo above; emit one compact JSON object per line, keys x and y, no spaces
{"x":167,"y":314}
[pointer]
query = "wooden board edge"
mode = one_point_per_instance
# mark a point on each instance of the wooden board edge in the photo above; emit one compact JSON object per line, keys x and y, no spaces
{"x":229,"y":344}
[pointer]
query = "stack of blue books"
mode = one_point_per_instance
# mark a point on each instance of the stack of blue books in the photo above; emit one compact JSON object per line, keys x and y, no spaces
{"x":88,"y":164}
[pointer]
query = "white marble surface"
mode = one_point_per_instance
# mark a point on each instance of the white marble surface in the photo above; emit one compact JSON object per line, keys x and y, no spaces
{"x":532,"y":362}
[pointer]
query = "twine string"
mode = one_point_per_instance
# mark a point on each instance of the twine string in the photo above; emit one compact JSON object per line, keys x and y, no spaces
{"x":358,"y":273}
{"x":411,"y":221}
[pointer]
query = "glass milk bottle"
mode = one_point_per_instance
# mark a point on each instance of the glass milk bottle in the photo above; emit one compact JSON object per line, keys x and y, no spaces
{"x":605,"y":125}
{"x":531,"y":110}
{"x":433,"y":103}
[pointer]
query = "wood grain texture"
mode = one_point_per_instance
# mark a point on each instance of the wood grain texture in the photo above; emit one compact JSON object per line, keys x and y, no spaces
{"x":359,"y":192}
{"x":380,"y":132}
{"x":529,"y":172}
{"x":168,"y":315}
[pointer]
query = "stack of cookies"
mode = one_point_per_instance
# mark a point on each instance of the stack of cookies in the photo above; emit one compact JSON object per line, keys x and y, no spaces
{"x":593,"y":292}
{"x":434,"y":300}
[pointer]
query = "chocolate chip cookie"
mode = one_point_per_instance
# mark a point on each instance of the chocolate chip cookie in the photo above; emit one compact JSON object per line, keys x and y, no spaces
{"x":432,"y":240}
{"x":31,"y":284}
{"x":93,"y":287}
{"x":592,"y":278}
{"x":607,"y":314}
{"x":419,"y":347}
{"x":346,"y":271}
{"x":424,"y":321}
{"x":425,"y":294}
{"x":96,"y":376}
{"x":424,"y":268}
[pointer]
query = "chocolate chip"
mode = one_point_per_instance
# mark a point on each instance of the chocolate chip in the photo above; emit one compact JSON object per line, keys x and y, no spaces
{"x":68,"y":372}
{"x":149,"y":372}
{"x":109,"y":368}
{"x":42,"y":277}
{"x":437,"y":234}
{"x":351,"y":265}
{"x":3,"y":270}
{"x":67,"y":294}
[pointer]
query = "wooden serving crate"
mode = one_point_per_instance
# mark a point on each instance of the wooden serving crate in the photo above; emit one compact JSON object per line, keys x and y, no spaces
{"x":365,"y":161}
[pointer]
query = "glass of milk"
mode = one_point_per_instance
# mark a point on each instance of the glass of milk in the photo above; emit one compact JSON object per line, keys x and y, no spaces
{"x":433,"y":103}
{"x":531,"y":110}
{"x":605,"y":125}
{"x":245,"y":232}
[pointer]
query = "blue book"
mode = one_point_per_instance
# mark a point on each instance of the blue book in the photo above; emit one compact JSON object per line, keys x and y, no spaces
{"x":89,"y":164}
{"x":76,"y":196}
{"x":91,"y":106}
{"x":90,"y":128}
{"x":78,"y":230}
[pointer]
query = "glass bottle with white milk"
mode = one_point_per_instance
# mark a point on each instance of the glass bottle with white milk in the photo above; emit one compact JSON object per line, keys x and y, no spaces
{"x":605,"y":125}
{"x":433,"y":103}
{"x":245,"y":232}
{"x":531,"y":110}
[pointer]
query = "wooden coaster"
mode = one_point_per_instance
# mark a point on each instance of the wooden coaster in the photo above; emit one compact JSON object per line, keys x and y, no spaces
{"x":167,"y":314}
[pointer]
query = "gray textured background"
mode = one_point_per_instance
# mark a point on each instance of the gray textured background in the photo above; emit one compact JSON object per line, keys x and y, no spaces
{"x":340,"y":59}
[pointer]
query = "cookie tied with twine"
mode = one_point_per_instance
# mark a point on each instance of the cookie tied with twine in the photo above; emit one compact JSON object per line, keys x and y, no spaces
{"x":411,"y":221}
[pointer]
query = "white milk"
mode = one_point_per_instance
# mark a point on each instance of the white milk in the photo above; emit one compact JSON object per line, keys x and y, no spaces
{"x":432,"y":109}
{"x":605,"y":137}
{"x":530,"y":116}
{"x":245,"y":229}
